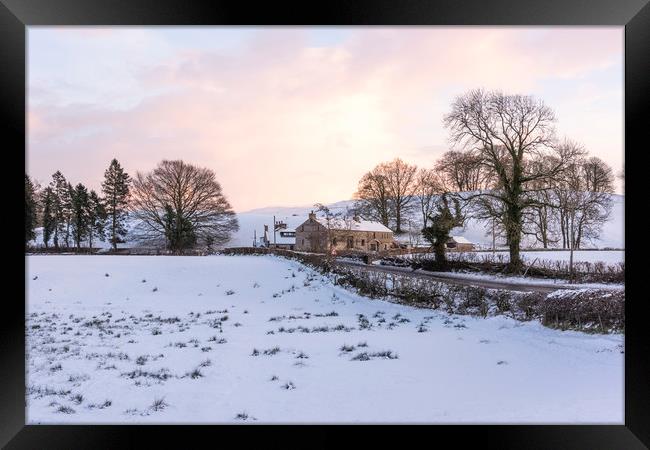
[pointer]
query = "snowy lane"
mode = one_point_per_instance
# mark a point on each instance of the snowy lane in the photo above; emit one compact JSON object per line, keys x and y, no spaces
{"x":107,"y":336}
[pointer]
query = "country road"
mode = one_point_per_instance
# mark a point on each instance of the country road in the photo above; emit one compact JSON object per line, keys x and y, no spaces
{"x":468,"y":280}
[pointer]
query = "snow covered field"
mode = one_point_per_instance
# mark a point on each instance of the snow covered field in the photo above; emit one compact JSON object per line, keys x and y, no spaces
{"x":146,"y":339}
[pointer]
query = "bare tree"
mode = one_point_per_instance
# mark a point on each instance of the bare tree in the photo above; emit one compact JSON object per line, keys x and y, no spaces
{"x":428,"y":185}
{"x":373,"y":199}
{"x":541,"y":218}
{"x":583,"y":202}
{"x":401,"y":181}
{"x":599,"y":176}
{"x":506,"y":131}
{"x":386,"y":192}
{"x":463,"y":171}
{"x":181,"y":205}
{"x":584,"y":210}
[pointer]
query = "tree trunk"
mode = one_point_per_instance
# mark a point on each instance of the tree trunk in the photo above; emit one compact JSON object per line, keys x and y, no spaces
{"x":513,"y":230}
{"x":571,"y":246}
{"x":113,"y":236}
{"x":439,"y":251}
{"x":398,"y":218}
{"x":67,"y":234}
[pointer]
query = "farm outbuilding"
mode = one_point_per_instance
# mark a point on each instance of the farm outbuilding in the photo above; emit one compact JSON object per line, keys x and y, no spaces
{"x":459,"y":244}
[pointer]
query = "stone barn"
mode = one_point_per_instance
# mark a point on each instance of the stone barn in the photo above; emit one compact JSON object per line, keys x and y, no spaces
{"x":318,"y":234}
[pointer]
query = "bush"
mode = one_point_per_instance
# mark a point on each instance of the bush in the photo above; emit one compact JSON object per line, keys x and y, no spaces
{"x":595,"y":310}
{"x":586,"y":310}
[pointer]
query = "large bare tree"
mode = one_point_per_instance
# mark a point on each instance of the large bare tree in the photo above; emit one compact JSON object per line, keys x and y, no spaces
{"x":373,"y":198}
{"x":386,"y":192}
{"x":401,"y":178}
{"x":507,"y":131}
{"x":181,"y":205}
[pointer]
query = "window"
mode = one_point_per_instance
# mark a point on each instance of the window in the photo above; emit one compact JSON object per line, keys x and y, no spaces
{"x":363,"y":242}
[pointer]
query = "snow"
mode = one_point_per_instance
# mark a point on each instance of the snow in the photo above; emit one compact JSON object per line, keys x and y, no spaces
{"x":279,"y":239}
{"x":355,"y":225}
{"x":461,"y":370}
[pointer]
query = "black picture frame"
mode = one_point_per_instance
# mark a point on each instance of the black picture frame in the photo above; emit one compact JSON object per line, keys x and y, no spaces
{"x":634,"y":15}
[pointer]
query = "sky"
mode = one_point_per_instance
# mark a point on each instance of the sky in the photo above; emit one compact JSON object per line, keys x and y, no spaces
{"x":292,"y":116}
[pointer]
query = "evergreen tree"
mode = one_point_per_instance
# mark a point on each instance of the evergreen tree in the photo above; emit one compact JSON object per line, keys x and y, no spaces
{"x":116,"y":196}
{"x":441,"y":225}
{"x":48,"y":220}
{"x":97,"y":218}
{"x":67,"y":206}
{"x":179,"y":231}
{"x":61,"y":207}
{"x":30,"y":210}
{"x":79,"y":218}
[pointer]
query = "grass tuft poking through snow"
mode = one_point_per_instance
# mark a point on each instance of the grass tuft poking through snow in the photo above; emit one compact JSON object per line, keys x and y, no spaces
{"x":102,"y":356}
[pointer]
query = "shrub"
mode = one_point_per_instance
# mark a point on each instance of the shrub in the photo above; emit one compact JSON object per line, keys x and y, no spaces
{"x":65,"y":410}
{"x":158,"y":404}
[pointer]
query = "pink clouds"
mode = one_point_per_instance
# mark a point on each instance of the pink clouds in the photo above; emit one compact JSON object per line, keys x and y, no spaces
{"x":283,"y":122}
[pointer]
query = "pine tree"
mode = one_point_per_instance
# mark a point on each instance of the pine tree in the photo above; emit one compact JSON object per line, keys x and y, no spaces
{"x":68,"y":212}
{"x":79,"y":218}
{"x":48,"y":221}
{"x":60,"y":206}
{"x":116,"y":197}
{"x":30,"y":210}
{"x":97,"y":218}
{"x":179,"y":231}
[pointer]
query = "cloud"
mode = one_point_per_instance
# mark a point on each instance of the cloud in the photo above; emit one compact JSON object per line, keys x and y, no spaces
{"x":283,"y":122}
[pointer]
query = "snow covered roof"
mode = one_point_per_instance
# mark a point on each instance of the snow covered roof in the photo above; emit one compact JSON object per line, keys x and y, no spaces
{"x":459,"y":240}
{"x":292,"y":223}
{"x":279,"y":239}
{"x":353,"y":225}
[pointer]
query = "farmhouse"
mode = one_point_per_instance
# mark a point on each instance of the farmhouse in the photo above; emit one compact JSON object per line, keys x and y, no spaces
{"x":459,"y":244}
{"x":320,"y":234}
{"x":283,"y":234}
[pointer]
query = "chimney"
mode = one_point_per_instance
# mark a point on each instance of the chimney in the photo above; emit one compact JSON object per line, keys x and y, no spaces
{"x":312,"y":216}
